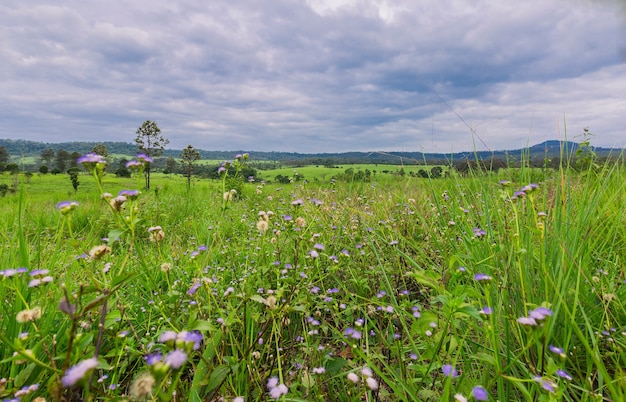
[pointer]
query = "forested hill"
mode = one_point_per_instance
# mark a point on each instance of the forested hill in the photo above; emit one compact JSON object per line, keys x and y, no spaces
{"x":17,"y":148}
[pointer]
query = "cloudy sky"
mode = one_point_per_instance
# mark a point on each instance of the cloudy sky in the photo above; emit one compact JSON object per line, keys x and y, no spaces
{"x":315,"y":75}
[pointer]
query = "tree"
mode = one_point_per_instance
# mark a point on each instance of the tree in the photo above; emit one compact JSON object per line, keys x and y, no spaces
{"x":73,"y":173}
{"x":61,"y":159}
{"x":189,"y":156}
{"x":72,"y":161}
{"x":4,"y":156}
{"x":101,"y":150}
{"x":47,"y":155}
{"x":43,"y":169}
{"x":150,"y":141}
{"x":170,"y":165}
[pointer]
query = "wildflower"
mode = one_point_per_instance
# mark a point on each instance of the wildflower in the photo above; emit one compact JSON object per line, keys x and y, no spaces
{"x":230,"y":195}
{"x":168,"y":337}
{"x":459,"y":398}
{"x":564,"y":374}
{"x":314,"y":254}
{"x":318,"y":246}
{"x":156,"y":233}
{"x":478,"y":232}
{"x":480,"y":393}
{"x":318,"y":370}
{"x":133,"y":165}
{"x":194,"y":288}
{"x":557,"y":350}
{"x":153,"y":358}
{"x":145,"y":159}
{"x":262,"y":226}
{"x":166,"y":266}
{"x":92,"y":161}
{"x":367,"y":372}
{"x":229,"y":291}
{"x":352,"y":377}
{"x":297,"y":202}
{"x":129,"y":194}
{"x":66,"y":206}
{"x":142,"y":387}
{"x":449,"y":371}
{"x":99,"y":251}
{"x":176,"y":358}
{"x":482,"y":278}
{"x":79,"y":372}
{"x":540,"y":313}
{"x":276,"y":390}
{"x":371,"y":383}
{"x":190,"y":339}
{"x":28,"y":315}
{"x":545,"y":384}
{"x":238,"y":399}
{"x":486,"y":310}
{"x":527,"y":321}
{"x":117,"y":202}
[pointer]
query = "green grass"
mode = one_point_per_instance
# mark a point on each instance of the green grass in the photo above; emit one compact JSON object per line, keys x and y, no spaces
{"x":317,"y":284}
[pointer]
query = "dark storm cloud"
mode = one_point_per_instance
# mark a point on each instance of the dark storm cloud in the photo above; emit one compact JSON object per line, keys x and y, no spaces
{"x":313,"y":75}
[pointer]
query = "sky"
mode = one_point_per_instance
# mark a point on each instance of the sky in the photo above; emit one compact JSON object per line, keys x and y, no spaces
{"x":313,"y":76}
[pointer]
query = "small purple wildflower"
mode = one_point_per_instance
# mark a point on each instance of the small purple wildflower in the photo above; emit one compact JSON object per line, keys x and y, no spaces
{"x":449,"y":371}
{"x":557,"y":350}
{"x":194,"y":288}
{"x":176,"y":358}
{"x":480,"y":393}
{"x":564,"y":374}
{"x":482,"y":278}
{"x":153,"y":358}
{"x":78,"y":372}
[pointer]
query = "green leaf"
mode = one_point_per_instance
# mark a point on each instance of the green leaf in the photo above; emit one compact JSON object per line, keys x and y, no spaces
{"x":333,"y":366}
{"x":217,"y":377}
{"x":202,"y":325}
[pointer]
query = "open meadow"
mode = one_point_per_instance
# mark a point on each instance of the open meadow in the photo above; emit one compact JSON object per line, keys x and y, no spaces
{"x":506,"y":287}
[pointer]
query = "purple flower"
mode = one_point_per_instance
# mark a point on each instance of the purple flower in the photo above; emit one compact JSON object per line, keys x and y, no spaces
{"x":176,"y":359}
{"x":129,"y":193}
{"x":480,"y":393}
{"x":297,"y":202}
{"x":168,"y":336}
{"x":194,"y":337}
{"x":557,"y":350}
{"x":482,"y":278}
{"x":318,"y":246}
{"x":527,"y":321}
{"x":540,"y":313}
{"x":153,"y":358}
{"x":545,"y":384}
{"x":449,"y":371}
{"x":144,"y":158}
{"x":486,"y":310}
{"x":564,"y":374}
{"x":90,"y":159}
{"x":78,"y":372}
{"x":194,"y":288}
{"x":66,"y":206}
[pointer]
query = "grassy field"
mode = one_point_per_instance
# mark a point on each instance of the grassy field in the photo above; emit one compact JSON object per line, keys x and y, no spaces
{"x":507,"y":287}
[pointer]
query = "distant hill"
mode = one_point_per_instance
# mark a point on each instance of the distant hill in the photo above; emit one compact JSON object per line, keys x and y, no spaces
{"x":549,"y":149}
